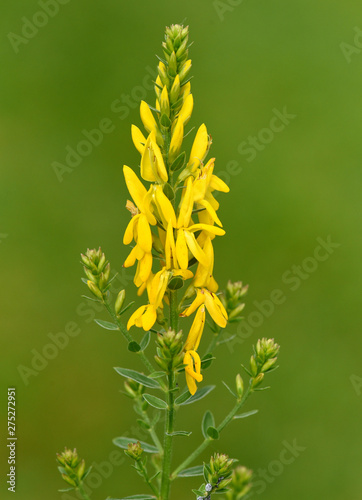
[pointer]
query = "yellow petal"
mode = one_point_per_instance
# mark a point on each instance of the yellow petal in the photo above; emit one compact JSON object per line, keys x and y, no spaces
{"x":147,"y":117}
{"x":165,"y":208}
{"x":160,"y":164}
{"x":135,"y":316}
{"x":131,"y":259}
{"x":170,"y":248}
{"x":218,"y":185}
{"x":198,"y":301}
{"x":149,"y":317}
{"x":145,"y":267}
{"x":212,"y":212}
{"x":182,"y":252}
{"x":129,"y":232}
{"x":186,"y":110}
{"x":148,"y":167}
{"x":138,"y":139}
{"x":138,"y":192}
{"x":186,"y":274}
{"x":206,"y":227}
{"x":186,"y":205}
{"x":176,"y":140}
{"x":195,"y":248}
{"x":197,"y":327}
{"x":144,"y":235}
{"x":203,"y":273}
{"x":217,"y":313}
{"x":192,"y":370}
{"x":199,"y":148}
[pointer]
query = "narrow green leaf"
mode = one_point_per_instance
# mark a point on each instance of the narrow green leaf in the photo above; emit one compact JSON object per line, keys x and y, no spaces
{"x":206,"y":361}
{"x":106,"y":324}
{"x":230,"y":390}
{"x":158,"y":403}
{"x":145,"y":341}
{"x":123,"y":442}
{"x":134,"y":497}
{"x":122,"y":311}
{"x":66,"y":489}
{"x":213,"y":433}
{"x":201,"y":393}
{"x":157,"y":374}
{"x":179,"y":433}
{"x":207,"y":421}
{"x":179,"y":162}
{"x":138,"y":377}
{"x":192,"y":471}
{"x":134,"y":346}
{"x":93,"y":300}
{"x":246,"y":414}
{"x":183,"y":397}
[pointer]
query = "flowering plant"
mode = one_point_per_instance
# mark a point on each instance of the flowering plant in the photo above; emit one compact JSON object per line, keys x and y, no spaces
{"x":173,"y":222}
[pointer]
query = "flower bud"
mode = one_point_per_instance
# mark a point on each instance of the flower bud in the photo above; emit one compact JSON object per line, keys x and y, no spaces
{"x":257,"y":380}
{"x":134,"y":451}
{"x":164,"y":102}
{"x":119,"y":301}
{"x":253,"y":366}
{"x":94,"y":289}
{"x":239,"y":386}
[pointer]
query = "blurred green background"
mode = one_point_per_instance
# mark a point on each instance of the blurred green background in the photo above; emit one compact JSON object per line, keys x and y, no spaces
{"x":249,"y":58}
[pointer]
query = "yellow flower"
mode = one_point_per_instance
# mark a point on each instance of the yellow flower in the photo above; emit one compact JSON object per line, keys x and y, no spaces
{"x":186,"y":110}
{"x":139,"y":230}
{"x":204,"y":274}
{"x":195,"y":333}
{"x":213,"y":306}
{"x":152,"y":164}
{"x":176,"y":140}
{"x":149,"y":121}
{"x":192,"y":370}
{"x":140,"y":196}
{"x":199,"y":148}
{"x":138,"y":139}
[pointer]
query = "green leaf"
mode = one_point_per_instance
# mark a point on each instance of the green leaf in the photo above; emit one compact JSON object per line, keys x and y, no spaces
{"x":179,"y":433}
{"x":143,"y":424}
{"x":156,"y":374}
{"x":138,"y":377}
{"x":122,"y":311}
{"x":201,"y":393}
{"x":65,"y":490}
{"x":183,"y":397}
{"x":134,"y":347}
{"x":123,"y":442}
{"x":207,"y":421}
{"x":230,"y":390}
{"x":168,"y":191}
{"x":191,"y":472}
{"x":179,"y":162}
{"x":145,"y":341}
{"x":106,"y":324}
{"x":206,"y":361}
{"x":134,"y":497}
{"x":176,"y":283}
{"x":246,"y":414}
{"x":165,"y":121}
{"x":158,"y":403}
{"x":213,"y":433}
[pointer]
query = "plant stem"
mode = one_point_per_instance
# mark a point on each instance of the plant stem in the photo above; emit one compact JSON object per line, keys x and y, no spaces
{"x":82,"y":492}
{"x":151,"y":430}
{"x":173,"y":310}
{"x":147,"y":479}
{"x":207,"y":441}
{"x":169,"y":427}
{"x":127,"y":336}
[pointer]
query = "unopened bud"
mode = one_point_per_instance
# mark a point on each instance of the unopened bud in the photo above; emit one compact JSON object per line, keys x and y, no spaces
{"x":257,"y":380}
{"x":94,"y":289}
{"x":239,"y":385}
{"x":253,"y":366}
{"x":119,"y":301}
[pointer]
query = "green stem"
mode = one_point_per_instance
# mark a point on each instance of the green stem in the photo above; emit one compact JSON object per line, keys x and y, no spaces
{"x":207,"y":441}
{"x":127,"y":335}
{"x":169,"y":428}
{"x":82,"y":492}
{"x":147,"y":479}
{"x":151,"y":430}
{"x":173,"y":310}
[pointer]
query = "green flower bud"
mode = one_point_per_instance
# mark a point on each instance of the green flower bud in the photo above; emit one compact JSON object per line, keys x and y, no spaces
{"x":94,"y":289}
{"x":257,"y":380}
{"x":239,"y":386}
{"x":119,"y":301}
{"x":253,"y":366}
{"x":134,"y":451}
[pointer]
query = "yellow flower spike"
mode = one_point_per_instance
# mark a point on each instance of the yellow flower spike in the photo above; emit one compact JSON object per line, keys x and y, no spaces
{"x":196,"y":330}
{"x":164,"y":207}
{"x":186,"y":110}
{"x":138,"y":193}
{"x":182,"y":251}
{"x":164,"y":102}
{"x":176,"y":141}
{"x":138,"y":139}
{"x":199,"y":148}
{"x":192,"y":370}
{"x":186,"y":205}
